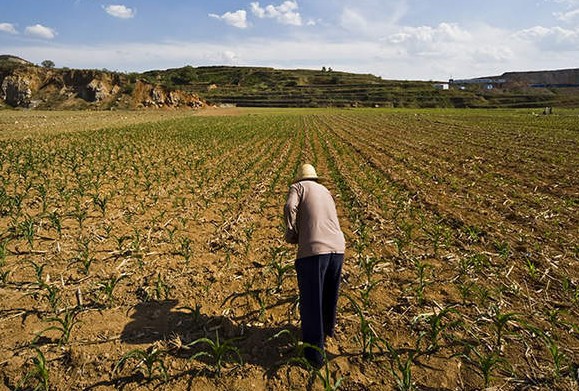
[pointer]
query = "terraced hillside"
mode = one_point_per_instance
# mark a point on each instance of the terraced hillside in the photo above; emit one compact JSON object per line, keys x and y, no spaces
{"x":268,"y":87}
{"x":23,"y":84}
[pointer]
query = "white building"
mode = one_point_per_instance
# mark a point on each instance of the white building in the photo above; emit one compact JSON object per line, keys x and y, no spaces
{"x":441,"y":86}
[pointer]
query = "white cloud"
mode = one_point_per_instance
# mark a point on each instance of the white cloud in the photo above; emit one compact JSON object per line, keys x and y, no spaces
{"x":285,"y":13}
{"x":550,"y":38}
{"x":120,"y":11}
{"x":257,"y":10}
{"x":482,"y":55}
{"x":568,"y":3}
{"x":568,"y":16}
{"x":428,"y":34}
{"x":353,"y":20}
{"x":445,"y":37}
{"x":449,"y":49}
{"x":372,"y":18}
{"x":40,"y":31}
{"x":489,"y":54}
{"x":223,"y":56}
{"x":8,"y":28}
{"x":571,"y":12}
{"x":236,"y":19}
{"x":533,"y":33}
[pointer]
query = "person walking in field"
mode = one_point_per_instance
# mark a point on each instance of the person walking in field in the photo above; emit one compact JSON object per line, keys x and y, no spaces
{"x":312,"y":223}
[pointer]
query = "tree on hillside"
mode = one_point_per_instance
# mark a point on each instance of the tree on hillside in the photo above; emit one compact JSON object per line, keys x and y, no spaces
{"x":47,"y":64}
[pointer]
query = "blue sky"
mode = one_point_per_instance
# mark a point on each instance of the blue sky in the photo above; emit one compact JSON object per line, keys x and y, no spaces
{"x":394,"y":39}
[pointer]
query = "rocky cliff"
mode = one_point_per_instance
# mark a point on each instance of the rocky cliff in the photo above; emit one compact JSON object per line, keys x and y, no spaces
{"x":567,"y":77}
{"x":29,"y":86}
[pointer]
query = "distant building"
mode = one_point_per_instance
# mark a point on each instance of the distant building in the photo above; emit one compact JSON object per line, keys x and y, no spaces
{"x":487,"y":83}
{"x":442,"y":86}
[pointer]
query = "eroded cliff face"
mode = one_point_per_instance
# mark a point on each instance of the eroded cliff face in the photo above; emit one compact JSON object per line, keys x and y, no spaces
{"x":16,"y":91}
{"x":36,"y":87}
{"x":148,"y":95}
{"x":568,"y":77}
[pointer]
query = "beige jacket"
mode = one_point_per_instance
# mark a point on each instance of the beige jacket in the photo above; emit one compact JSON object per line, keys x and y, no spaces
{"x":311,"y":220}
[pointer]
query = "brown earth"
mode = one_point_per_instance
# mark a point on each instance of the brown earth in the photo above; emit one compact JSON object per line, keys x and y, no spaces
{"x":452,"y":208}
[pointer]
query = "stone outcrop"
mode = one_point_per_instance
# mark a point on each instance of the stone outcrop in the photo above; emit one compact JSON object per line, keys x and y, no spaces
{"x":30,"y":86}
{"x":16,"y":91}
{"x":558,"y":77}
{"x":148,"y":95}
{"x":97,"y":91}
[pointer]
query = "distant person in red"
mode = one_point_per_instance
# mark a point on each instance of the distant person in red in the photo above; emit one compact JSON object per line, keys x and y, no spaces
{"x":312,"y":223}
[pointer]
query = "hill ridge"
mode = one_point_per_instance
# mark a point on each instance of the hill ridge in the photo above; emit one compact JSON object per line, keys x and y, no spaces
{"x":23,"y":84}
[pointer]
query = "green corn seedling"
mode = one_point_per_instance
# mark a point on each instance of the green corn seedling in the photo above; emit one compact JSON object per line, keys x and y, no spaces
{"x":43,"y":192}
{"x":323,"y":373}
{"x":559,"y":358}
{"x":278,"y":267}
{"x":532,"y":268}
{"x":80,"y":214}
{"x":500,"y":321}
{"x":27,"y":230}
{"x":147,"y":363}
{"x":52,"y":294}
{"x":438,"y":323}
{"x":37,"y":378}
{"x":503,"y":249}
{"x":365,"y":292}
{"x":185,"y":249}
{"x":299,"y":358}
{"x":473,"y":234}
{"x":486,"y":363}
{"x":401,"y":368}
{"x":101,"y":202}
{"x":162,"y":289}
{"x":422,"y":282}
{"x":438,"y":235}
{"x":194,"y":311}
{"x":38,"y":272}
{"x":557,"y":355}
{"x":218,"y":352}
{"x":83,"y":257}
{"x":371,"y":343}
{"x":55,"y":221}
{"x":368,"y":264}
{"x":3,"y":252}
{"x":4,"y":276}
{"x":64,"y":325}
{"x":107,"y":286}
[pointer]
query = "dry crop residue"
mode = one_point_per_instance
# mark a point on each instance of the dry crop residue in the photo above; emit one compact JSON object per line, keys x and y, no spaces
{"x":150,"y":255}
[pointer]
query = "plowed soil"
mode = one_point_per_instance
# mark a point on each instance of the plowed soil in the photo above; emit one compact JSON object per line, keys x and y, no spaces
{"x":143,"y":250}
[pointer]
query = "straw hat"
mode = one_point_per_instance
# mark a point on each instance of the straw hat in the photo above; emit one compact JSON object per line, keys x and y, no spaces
{"x":306,"y":171}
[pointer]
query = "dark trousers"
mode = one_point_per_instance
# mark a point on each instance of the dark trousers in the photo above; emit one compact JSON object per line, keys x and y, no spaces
{"x":318,"y":282}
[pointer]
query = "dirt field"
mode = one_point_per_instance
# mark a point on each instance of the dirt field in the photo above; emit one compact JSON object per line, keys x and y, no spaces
{"x":143,"y":250}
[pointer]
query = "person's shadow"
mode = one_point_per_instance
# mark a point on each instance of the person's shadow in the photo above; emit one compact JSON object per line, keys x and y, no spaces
{"x":178,"y":326}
